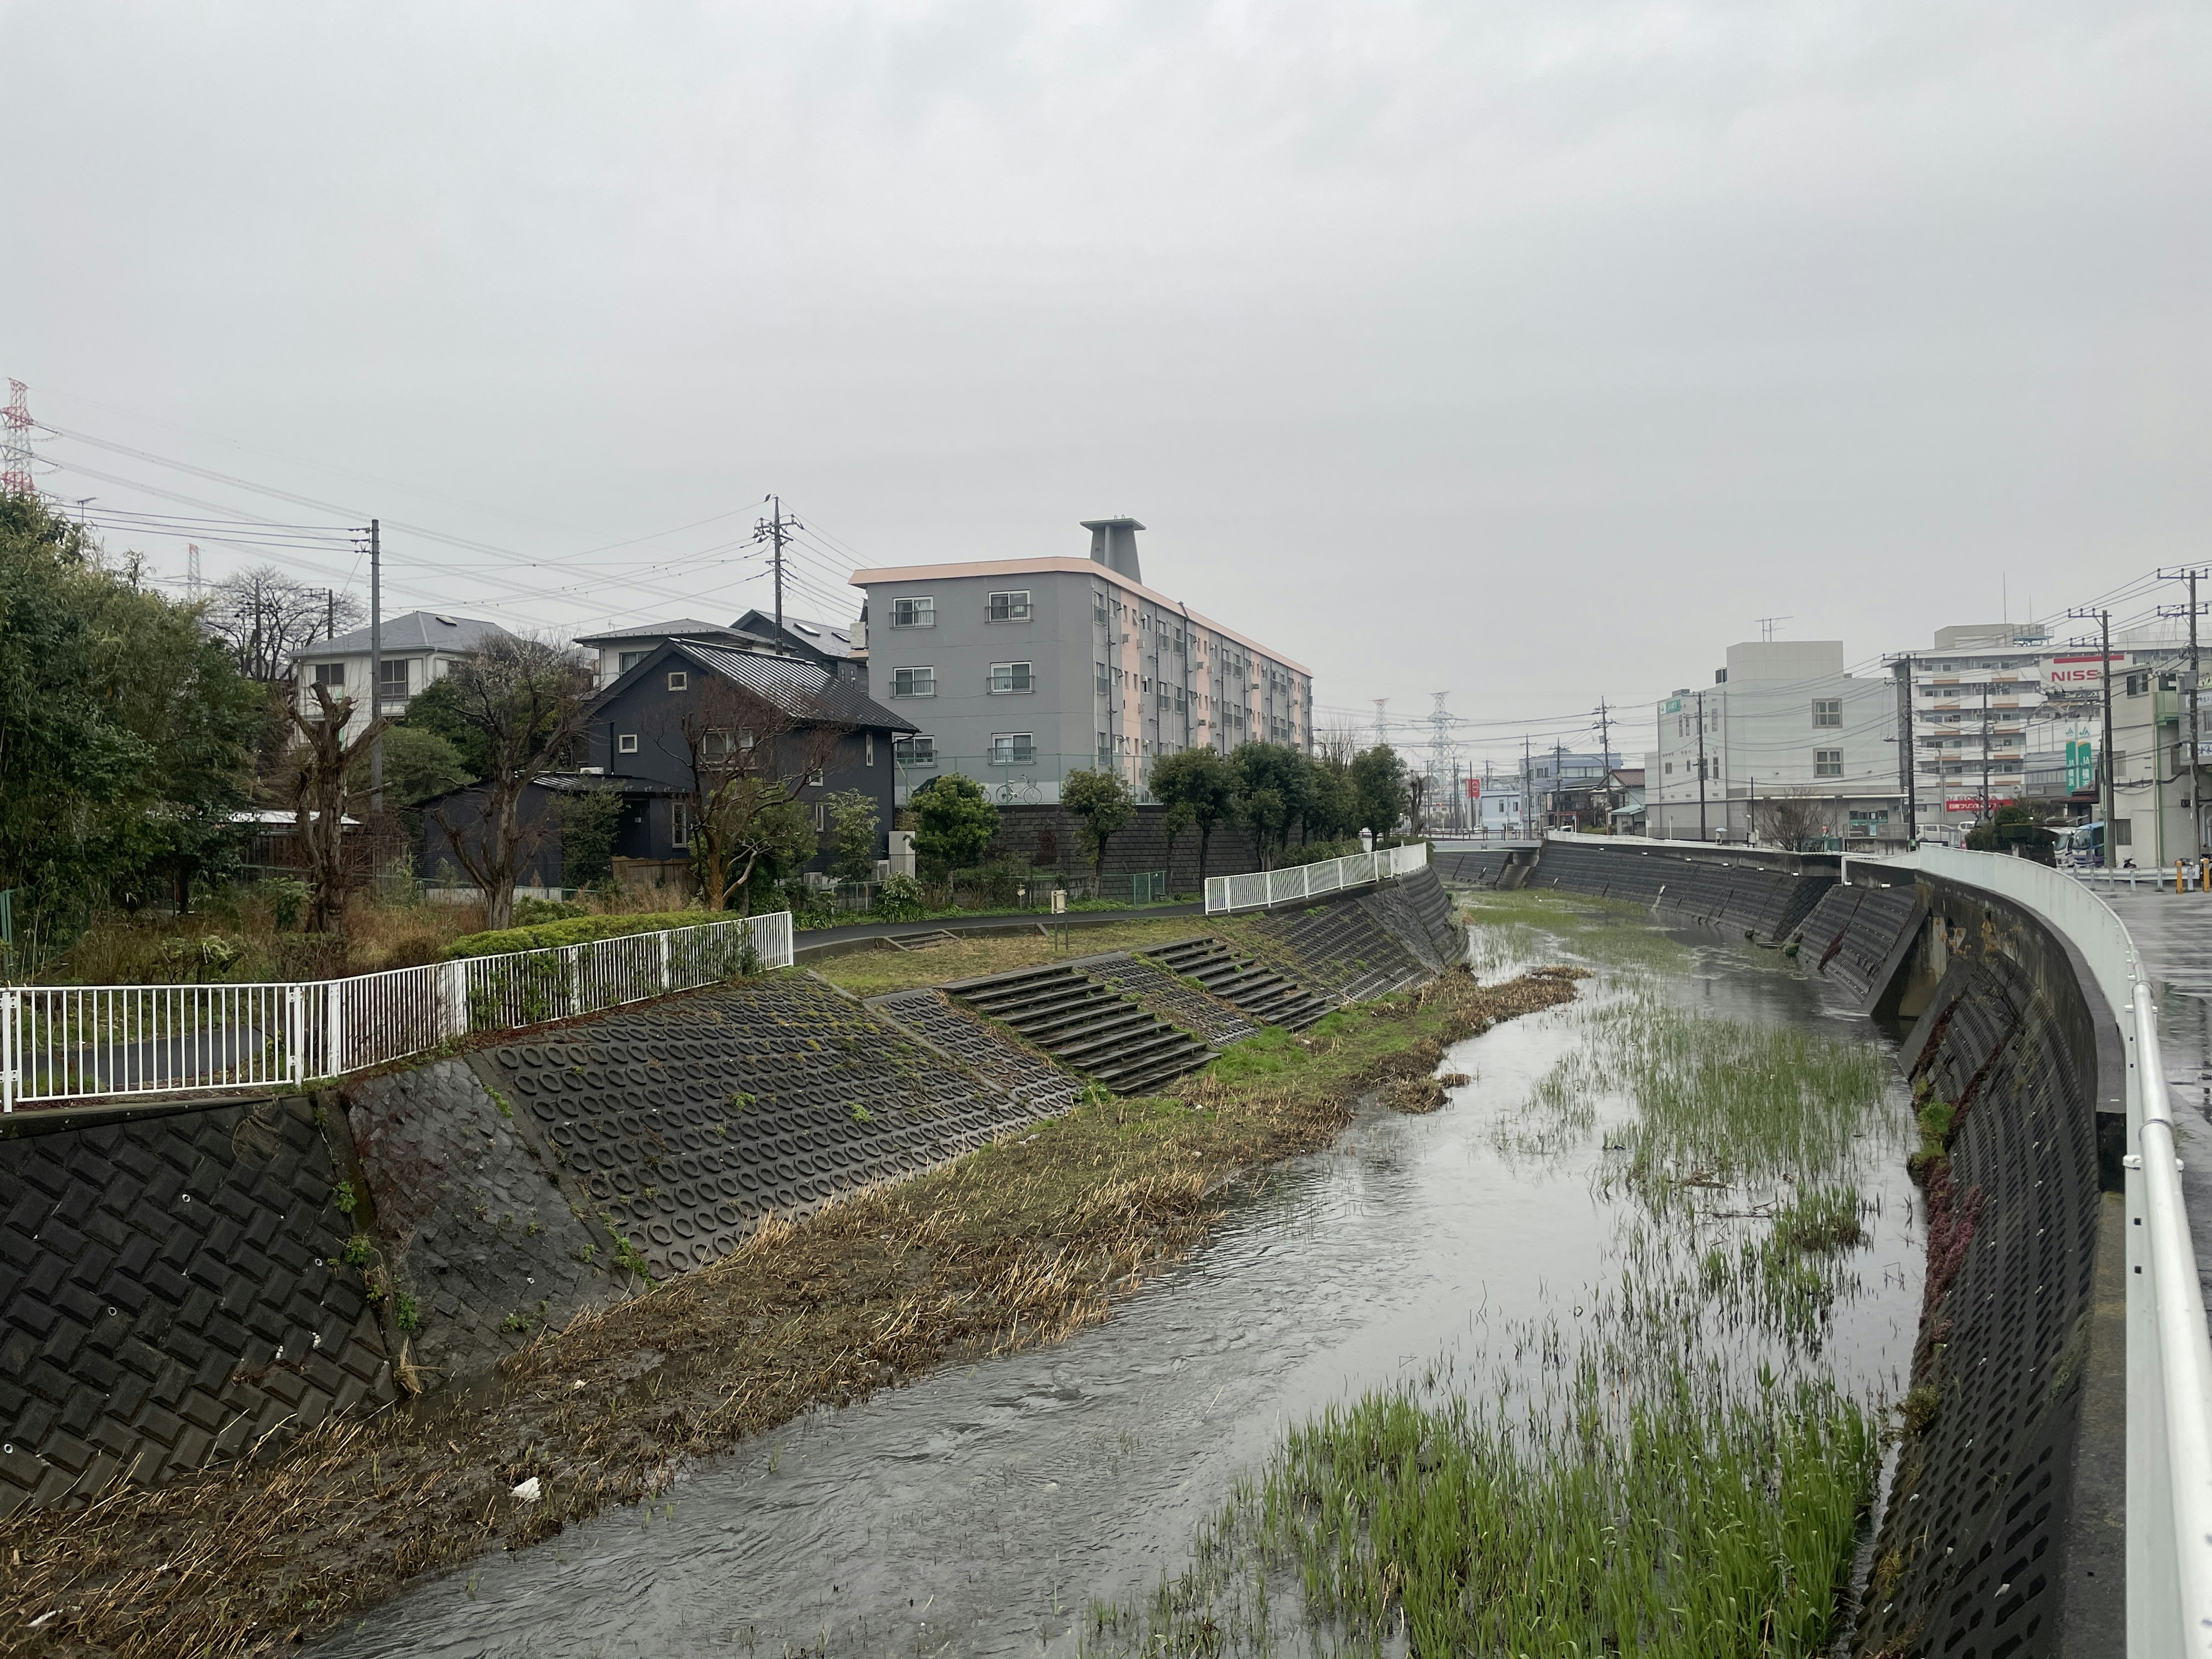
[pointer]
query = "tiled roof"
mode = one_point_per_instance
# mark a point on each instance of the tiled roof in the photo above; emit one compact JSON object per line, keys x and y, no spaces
{"x":683,"y":627}
{"x":798,"y":685}
{"x":418,"y":630}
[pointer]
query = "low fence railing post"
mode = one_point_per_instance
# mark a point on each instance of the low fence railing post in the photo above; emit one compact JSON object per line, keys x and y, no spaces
{"x":11,"y":1003}
{"x":295,"y":1060}
{"x":335,"y":1047}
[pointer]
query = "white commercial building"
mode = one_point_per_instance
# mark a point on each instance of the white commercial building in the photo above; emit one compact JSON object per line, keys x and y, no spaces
{"x":1783,"y":737}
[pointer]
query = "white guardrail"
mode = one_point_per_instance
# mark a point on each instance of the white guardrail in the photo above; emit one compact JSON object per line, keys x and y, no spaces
{"x":1264,"y":889}
{"x":64,"y":1043}
{"x":2169,"y":1410}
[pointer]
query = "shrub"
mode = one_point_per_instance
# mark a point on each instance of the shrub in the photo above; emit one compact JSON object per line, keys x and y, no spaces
{"x":579,"y":930}
{"x":900,"y":899}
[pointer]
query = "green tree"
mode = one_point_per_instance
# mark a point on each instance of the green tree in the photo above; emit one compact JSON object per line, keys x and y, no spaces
{"x":1274,"y":793}
{"x":853,"y":818}
{"x":953,"y":823}
{"x":1101,"y":803}
{"x":440,"y":709}
{"x":418,"y":763}
{"x":588,"y":819}
{"x":1378,"y":782}
{"x":126,"y":736}
{"x":1201,"y":782}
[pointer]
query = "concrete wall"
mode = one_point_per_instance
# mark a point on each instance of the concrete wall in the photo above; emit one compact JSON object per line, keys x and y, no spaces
{"x":1051,"y":838}
{"x":174,"y":1289}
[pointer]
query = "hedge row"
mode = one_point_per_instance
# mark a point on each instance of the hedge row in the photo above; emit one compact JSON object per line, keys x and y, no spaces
{"x":580,"y":930}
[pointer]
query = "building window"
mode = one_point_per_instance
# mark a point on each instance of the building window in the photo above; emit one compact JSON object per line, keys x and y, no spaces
{"x":815,"y":778}
{"x":1105,"y":749}
{"x":914,"y":749}
{"x":913,"y":682}
{"x":1013,"y":748}
{"x":1104,"y":690}
{"x":1010,"y":607}
{"x":1011,"y":677}
{"x":2138,"y":685}
{"x":395,"y":679}
{"x":626,"y":744}
{"x":626,"y":660}
{"x":681,"y":821}
{"x":1097,"y":607}
{"x":1828,"y":711}
{"x":867,"y":749}
{"x":679,"y":681}
{"x":913,"y":613}
{"x":2123,"y":832}
{"x":330,"y":674}
{"x":1828,"y":762}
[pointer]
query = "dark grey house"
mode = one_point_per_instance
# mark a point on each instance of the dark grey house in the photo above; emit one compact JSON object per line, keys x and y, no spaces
{"x":700,"y":703}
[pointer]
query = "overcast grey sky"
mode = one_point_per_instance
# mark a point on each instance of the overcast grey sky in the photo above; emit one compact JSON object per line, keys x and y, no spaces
{"x":1531,"y":351}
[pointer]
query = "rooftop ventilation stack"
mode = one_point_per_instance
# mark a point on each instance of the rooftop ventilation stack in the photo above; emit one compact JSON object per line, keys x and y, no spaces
{"x":1113,"y":545}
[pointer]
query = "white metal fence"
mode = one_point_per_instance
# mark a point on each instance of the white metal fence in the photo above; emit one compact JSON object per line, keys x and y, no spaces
{"x":1264,"y":889}
{"x":97,"y":1042}
{"x":2169,"y":1349}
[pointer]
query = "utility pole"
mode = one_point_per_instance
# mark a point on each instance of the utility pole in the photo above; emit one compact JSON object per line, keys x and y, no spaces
{"x":1909,"y":756}
{"x":1701,"y":766}
{"x":2195,"y":731}
{"x":1558,"y":780}
{"x":1527,"y":787}
{"x":1988,"y":813}
{"x":330,"y":613}
{"x":776,"y":530}
{"x":1751,"y":815}
{"x":375,"y":665}
{"x":2105,"y":750}
{"x":1605,"y":757}
{"x":192,"y":572}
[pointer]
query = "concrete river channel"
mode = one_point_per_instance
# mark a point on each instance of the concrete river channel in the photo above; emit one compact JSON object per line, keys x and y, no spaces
{"x":1533,"y":1226}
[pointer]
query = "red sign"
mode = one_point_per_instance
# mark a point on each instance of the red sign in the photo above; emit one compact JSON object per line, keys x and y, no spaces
{"x":1973,"y":803}
{"x":1474,"y":788}
{"x":2082,"y":670}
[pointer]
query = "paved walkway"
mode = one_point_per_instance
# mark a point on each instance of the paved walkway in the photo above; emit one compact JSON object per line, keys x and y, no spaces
{"x":2173,"y":933}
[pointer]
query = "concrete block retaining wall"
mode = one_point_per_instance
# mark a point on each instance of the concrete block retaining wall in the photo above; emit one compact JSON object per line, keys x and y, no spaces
{"x":172,"y":1291}
{"x":1766,"y":896}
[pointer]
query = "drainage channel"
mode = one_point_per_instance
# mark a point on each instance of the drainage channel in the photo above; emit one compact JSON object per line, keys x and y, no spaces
{"x":993,"y":1509}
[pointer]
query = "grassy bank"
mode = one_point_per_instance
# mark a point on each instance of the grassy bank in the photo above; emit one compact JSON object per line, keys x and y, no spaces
{"x":1017,"y":1244}
{"x":871,"y":972}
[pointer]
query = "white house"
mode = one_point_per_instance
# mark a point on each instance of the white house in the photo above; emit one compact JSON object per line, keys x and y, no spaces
{"x":418,"y":649}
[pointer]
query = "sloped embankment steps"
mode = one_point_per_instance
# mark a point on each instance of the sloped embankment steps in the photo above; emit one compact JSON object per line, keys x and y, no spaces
{"x":1260,"y":991}
{"x":1086,"y":1025}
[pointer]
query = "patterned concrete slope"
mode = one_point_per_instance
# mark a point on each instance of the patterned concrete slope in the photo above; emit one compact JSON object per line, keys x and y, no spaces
{"x":1162,"y":994}
{"x":471,"y":1219}
{"x":1857,"y":935}
{"x":1086,"y":1023}
{"x":171,"y":1294}
{"x":681,"y":1123}
{"x":930,"y":1017}
{"x":1258,"y":991}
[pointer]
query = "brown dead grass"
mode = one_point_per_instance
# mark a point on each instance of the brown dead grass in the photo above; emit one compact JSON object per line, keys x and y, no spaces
{"x":1015,"y":1245}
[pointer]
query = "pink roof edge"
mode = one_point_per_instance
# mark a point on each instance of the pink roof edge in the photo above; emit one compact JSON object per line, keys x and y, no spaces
{"x":922,"y":573}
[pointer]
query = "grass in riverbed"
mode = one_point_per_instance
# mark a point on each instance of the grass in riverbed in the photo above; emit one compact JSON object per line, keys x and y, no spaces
{"x":1682,"y":1522}
{"x":1017,"y":1244}
{"x":1638,"y":1482}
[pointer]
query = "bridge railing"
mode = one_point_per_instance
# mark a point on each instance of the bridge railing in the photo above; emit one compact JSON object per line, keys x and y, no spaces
{"x":2169,"y":1405}
{"x":68,"y":1042}
{"x":1262,"y":890}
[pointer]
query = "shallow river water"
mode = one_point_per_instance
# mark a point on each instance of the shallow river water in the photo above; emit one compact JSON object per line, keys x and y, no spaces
{"x":982,"y":1510}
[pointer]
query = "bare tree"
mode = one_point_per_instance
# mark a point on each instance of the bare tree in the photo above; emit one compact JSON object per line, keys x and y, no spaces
{"x":269,"y":619}
{"x":748,"y":755}
{"x":320,"y":795}
{"x":525,"y":698}
{"x":1790,"y":820}
{"x":1337,"y":741}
